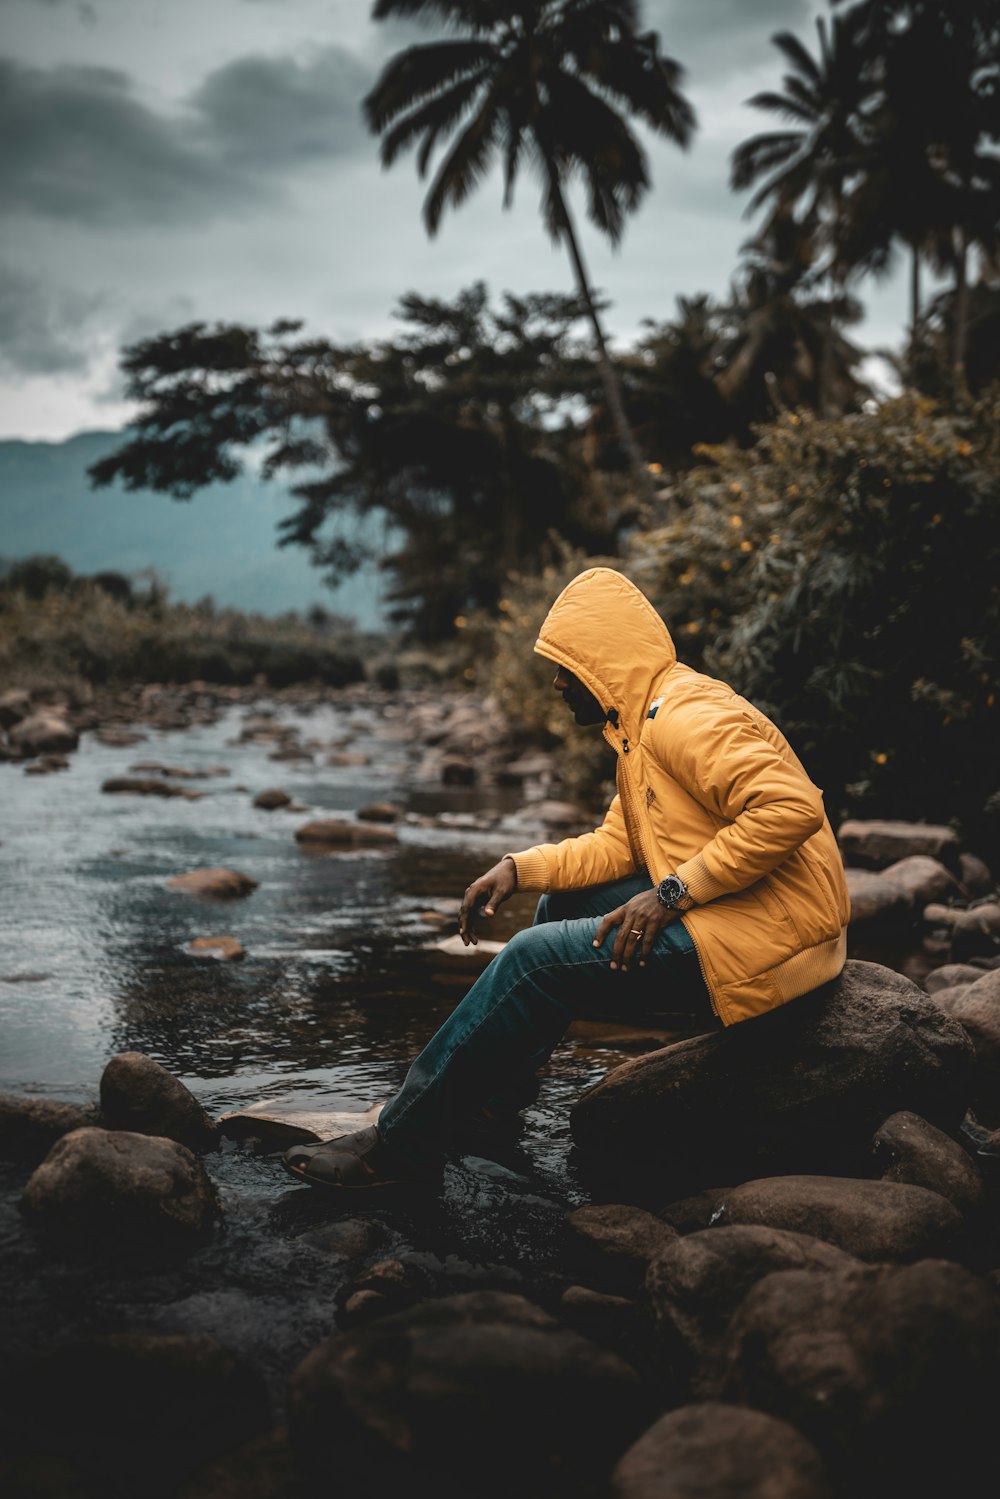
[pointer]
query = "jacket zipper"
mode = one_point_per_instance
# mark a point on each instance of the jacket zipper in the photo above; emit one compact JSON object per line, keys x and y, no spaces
{"x":636,"y":823}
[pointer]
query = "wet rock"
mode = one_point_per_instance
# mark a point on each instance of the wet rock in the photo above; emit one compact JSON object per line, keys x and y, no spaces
{"x":138,"y":1094}
{"x":800,"y":1089}
{"x":270,"y":800}
{"x":719,"y":1451}
{"x":46,"y":765}
{"x":908,"y":1149}
{"x":389,"y":1286}
{"x":345,"y":758}
{"x":120,"y":1188}
{"x":222,"y":949}
{"x":345,"y":1241}
{"x":877,"y":905}
{"x":872,"y":1220}
{"x":689,"y":1214}
{"x":557,"y":814}
{"x":972,"y":933}
{"x":15,"y":705}
{"x":921,"y":879}
{"x":622,"y":1325}
{"x":890,"y":1371}
{"x":44,"y":732}
{"x":976,"y":1008}
{"x":145,"y":786}
{"x":611,"y":1245}
{"x":696,"y":1282}
{"x":116,"y":737}
{"x":332,"y":832}
{"x":261,"y":1469}
{"x":950,"y":975}
{"x":29,"y":1127}
{"x":379,"y":812}
{"x":220,"y":884}
{"x":975,"y":875}
{"x":877,"y":843}
{"x":484,"y":1382}
{"x":538,"y":765}
{"x":458,"y":772}
{"x":137,"y":1412}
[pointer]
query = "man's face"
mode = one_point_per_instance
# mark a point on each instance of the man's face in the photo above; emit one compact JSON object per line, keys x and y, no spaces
{"x":582,"y":704}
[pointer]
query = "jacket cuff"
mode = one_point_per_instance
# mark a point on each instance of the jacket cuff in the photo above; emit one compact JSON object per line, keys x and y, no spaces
{"x":702,"y":886}
{"x":532,"y":869}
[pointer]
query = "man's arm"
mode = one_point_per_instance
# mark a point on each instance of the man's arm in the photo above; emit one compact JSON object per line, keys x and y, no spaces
{"x":575,"y":863}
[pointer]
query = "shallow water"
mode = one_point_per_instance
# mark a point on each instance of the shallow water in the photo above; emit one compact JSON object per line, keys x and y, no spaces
{"x":334,"y":996}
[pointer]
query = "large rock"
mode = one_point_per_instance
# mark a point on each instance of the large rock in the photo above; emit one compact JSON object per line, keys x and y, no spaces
{"x":800,"y":1089}
{"x":892,"y":1372}
{"x":696,"y":1282}
{"x":29,"y":1127}
{"x":481,"y":1392}
{"x":611,"y":1245}
{"x":879,"y":842}
{"x":337,"y":832}
{"x":909,"y":1150}
{"x":138,"y":1094}
{"x":145,"y":786}
{"x":872,"y":1220}
{"x":119,"y":1188}
{"x":720,"y":1451}
{"x":976,"y":1008}
{"x":44,"y":732}
{"x":972,"y":933}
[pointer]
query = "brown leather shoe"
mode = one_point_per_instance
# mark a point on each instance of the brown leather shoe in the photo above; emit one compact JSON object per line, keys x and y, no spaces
{"x":354,"y":1161}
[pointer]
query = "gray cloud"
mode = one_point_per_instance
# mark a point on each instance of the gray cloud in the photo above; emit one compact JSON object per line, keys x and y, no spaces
{"x":714,"y":39}
{"x":275,"y":111}
{"x":44,"y":331}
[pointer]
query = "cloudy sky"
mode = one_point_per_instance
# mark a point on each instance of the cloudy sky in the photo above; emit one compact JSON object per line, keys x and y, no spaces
{"x":166,"y":161}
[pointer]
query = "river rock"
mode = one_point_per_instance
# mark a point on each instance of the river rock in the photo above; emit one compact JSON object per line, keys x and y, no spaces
{"x":44,"y":732}
{"x":220,"y":884}
{"x":720,"y":1451}
{"x":137,"y":1412}
{"x":46,"y":765}
{"x":138,"y":1094}
{"x":976,"y":1008}
{"x":891,"y":1371}
{"x":872,"y":1220}
{"x":379,"y":812}
{"x":921,"y":879}
{"x":973,"y":933}
{"x":145,"y":786}
{"x":261,"y":1469}
{"x":483,"y":1383}
{"x":696,"y":1282}
{"x":333,"y":832}
{"x":800,"y":1089}
{"x":270,"y":800}
{"x":879,"y":842}
{"x":877,"y":905}
{"x":611,"y":1245}
{"x":950,"y":975}
{"x":222,"y":949}
{"x":120,"y":1187}
{"x":908,"y":1149}
{"x":15,"y":705}
{"x":975,"y":874}
{"x":29,"y":1127}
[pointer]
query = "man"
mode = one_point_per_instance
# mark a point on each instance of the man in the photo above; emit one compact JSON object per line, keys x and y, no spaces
{"x":714,"y":885}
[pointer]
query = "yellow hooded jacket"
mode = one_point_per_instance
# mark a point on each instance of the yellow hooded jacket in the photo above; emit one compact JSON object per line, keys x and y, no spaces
{"x":709,"y":789}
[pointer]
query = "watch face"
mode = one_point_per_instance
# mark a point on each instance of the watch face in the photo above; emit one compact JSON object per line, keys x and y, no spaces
{"x":671,"y":890}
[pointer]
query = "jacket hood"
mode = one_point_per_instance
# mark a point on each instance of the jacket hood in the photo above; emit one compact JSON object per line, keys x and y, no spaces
{"x":606,"y":632}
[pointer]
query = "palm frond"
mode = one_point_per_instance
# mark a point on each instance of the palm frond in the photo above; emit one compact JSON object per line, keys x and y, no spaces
{"x":640,"y":76}
{"x":466,"y":164}
{"x":581,"y":130}
{"x":798,"y":55}
{"x":429,"y":119}
{"x":781,"y":104}
{"x":760,"y":154}
{"x":419,"y":73}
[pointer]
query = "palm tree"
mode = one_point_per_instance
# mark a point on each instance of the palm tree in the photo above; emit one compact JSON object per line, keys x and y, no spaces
{"x":550,"y":83}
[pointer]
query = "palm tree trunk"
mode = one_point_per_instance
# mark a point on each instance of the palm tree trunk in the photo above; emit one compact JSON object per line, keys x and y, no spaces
{"x":612,"y":388}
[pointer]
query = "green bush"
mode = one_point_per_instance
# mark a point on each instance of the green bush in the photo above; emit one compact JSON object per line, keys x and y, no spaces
{"x":845,"y":575}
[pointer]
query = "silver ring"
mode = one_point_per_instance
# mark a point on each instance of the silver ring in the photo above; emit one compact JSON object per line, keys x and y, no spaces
{"x":635,"y":933}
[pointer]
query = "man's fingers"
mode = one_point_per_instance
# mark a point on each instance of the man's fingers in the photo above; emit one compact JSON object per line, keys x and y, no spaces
{"x":606,"y":923}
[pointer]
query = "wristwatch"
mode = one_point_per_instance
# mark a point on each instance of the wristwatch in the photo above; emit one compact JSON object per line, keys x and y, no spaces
{"x":673,"y":893}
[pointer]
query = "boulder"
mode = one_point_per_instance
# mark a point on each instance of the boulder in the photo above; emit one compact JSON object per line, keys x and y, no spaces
{"x":877,"y":905}
{"x":219,"y":884}
{"x":29,"y":1127}
{"x":973,"y":932}
{"x":950,"y":975}
{"x":483,"y":1383}
{"x":145,"y":786}
{"x":872,"y":1220}
{"x":270,"y":801}
{"x":802,"y":1088}
{"x":379,"y":812}
{"x":696,"y":1282}
{"x":334,"y":832}
{"x":120,"y":1188}
{"x":976,"y":1008}
{"x":921,"y":879}
{"x":890,"y":1371}
{"x":720,"y":1451}
{"x":611,"y":1245}
{"x":877,"y":843}
{"x":138,"y":1094}
{"x":975,"y":875}
{"x":908,"y":1149}
{"x":44,"y":732}
{"x":15,"y":705}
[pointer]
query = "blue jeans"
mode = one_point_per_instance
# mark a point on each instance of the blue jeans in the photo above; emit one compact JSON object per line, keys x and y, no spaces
{"x":518,"y":1009}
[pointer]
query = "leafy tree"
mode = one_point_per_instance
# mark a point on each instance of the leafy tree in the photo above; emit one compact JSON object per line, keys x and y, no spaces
{"x":844,"y":574}
{"x":931,"y":358}
{"x":456,"y":436}
{"x":550,"y":81}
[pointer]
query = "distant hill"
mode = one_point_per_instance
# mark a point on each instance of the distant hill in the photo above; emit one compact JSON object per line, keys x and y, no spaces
{"x":223,"y":542}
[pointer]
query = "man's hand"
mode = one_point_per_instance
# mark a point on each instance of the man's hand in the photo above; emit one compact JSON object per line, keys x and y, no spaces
{"x":640,"y":921}
{"x":489,"y":891}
